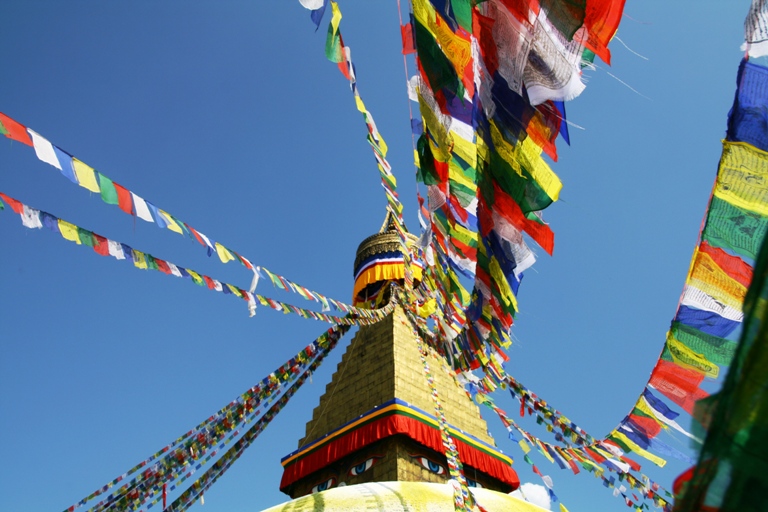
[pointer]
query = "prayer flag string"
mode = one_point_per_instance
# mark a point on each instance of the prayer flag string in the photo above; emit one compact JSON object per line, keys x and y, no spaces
{"x":179,"y":460}
{"x":336,"y":51}
{"x":131,"y":203}
{"x":36,"y":219}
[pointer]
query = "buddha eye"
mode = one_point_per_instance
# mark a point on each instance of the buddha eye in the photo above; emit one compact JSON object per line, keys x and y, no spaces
{"x":362,"y":467}
{"x":434,"y":467}
{"x":324,"y":486}
{"x":473,"y":483}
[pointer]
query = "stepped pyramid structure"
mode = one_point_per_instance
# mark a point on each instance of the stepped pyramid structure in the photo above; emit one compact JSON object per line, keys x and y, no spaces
{"x":374,"y":435}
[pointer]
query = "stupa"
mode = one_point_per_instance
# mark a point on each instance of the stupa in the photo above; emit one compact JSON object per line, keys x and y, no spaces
{"x":374,"y":442}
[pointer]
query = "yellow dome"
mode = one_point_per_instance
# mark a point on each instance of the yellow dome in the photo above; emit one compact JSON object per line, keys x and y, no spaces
{"x":400,"y":496}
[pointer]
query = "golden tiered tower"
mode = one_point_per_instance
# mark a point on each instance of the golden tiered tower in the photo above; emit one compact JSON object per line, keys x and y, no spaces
{"x":375,"y":432}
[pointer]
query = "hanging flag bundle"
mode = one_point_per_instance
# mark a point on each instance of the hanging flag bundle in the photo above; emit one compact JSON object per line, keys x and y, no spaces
{"x":147,"y":483}
{"x":701,"y":341}
{"x":36,"y":219}
{"x":492,"y":79}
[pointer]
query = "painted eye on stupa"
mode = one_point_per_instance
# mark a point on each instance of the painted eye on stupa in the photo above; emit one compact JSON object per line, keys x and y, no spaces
{"x":324,"y":486}
{"x":473,"y":483}
{"x":431,"y":465}
{"x":362,"y":467}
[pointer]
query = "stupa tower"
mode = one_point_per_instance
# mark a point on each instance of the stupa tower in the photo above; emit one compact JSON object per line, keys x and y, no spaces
{"x":375,"y":433}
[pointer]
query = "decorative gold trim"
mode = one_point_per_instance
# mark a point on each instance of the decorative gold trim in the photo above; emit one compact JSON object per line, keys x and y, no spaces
{"x":386,"y":240}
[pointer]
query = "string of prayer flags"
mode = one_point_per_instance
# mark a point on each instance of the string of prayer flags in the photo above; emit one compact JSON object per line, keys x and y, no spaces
{"x":600,"y":456}
{"x":111,"y":192}
{"x":205,"y":481}
{"x":337,"y":52}
{"x":701,"y":340}
{"x":149,"y":481}
{"x":463,"y":499}
{"x":36,"y":219}
{"x":129,"y":202}
{"x":565,"y":456}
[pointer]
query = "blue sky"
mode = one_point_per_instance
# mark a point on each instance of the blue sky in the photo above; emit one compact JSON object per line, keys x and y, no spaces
{"x":228,"y":116}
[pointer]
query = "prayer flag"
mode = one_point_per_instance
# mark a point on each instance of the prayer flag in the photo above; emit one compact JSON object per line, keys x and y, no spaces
{"x":65,"y":162}
{"x":224,"y":255}
{"x":86,"y":175}
{"x":124,"y":200}
{"x":108,"y":189}
{"x":69,"y":231}
{"x":44,"y":149}
{"x":14,"y":130}
{"x":142,"y":210}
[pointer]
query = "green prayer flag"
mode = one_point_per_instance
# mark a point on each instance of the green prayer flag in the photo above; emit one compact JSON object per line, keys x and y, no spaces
{"x":108,"y":190}
{"x":333,"y":45}
{"x":3,"y":130}
{"x":714,"y":348}
{"x":734,"y":228}
{"x":85,"y":236}
{"x":462,"y":11}
{"x":151,"y":263}
{"x":438,"y":69}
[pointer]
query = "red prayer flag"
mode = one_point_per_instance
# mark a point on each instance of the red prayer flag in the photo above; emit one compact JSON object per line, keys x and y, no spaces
{"x":679,"y":384}
{"x":197,"y":235}
{"x":100,"y":245}
{"x":634,"y":465}
{"x":15,"y":205}
{"x":162,"y":266}
{"x":124,"y":199}
{"x":650,"y":426}
{"x":601,"y":19}
{"x":507,"y":208}
{"x":406,"y":33}
{"x":14,"y":130}
{"x":735,"y":267}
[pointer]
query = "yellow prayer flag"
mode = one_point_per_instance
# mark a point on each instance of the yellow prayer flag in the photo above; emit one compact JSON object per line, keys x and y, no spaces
{"x":456,"y":48}
{"x":635,"y":448}
{"x":224,"y":254}
{"x":687,"y":358}
{"x":425,"y":14}
{"x":524,"y":446}
{"x":85,"y":175}
{"x":359,"y":103}
{"x":456,"y":173}
{"x":562,"y":508}
{"x":428,"y":308}
{"x":69,"y":231}
{"x":172,"y":225}
{"x":140,"y":260}
{"x":541,"y":172}
{"x":336,"y":16}
{"x":501,"y":282}
{"x":544,"y":451}
{"x":742,"y":179}
{"x":195,"y":277}
{"x":708,"y":277}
